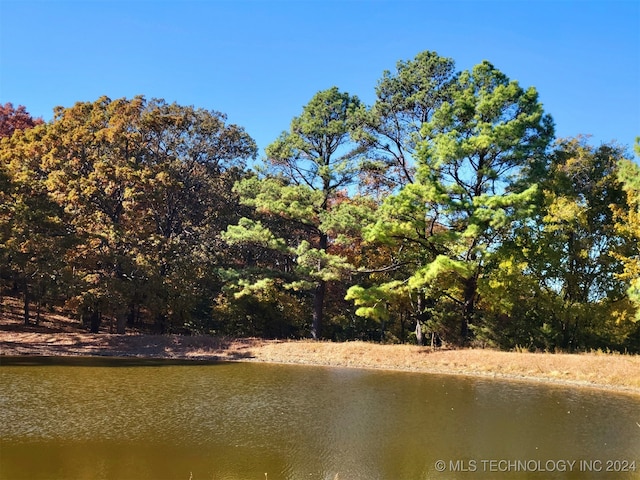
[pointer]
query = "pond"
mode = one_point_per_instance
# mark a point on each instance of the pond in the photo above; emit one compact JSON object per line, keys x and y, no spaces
{"x":70,"y":418}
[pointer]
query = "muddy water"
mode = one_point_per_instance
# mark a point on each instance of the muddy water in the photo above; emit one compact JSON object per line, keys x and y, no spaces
{"x":124,"y":419}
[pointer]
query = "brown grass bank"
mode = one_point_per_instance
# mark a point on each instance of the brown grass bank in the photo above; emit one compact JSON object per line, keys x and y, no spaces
{"x":609,"y":371}
{"x":61,"y":337}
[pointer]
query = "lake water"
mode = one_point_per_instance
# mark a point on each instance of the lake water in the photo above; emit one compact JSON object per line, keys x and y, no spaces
{"x":131,"y":419}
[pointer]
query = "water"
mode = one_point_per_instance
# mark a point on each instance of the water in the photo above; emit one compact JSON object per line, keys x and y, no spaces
{"x":133,"y":419}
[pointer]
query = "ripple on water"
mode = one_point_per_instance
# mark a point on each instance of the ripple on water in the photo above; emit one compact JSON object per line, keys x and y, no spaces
{"x":241,"y":420}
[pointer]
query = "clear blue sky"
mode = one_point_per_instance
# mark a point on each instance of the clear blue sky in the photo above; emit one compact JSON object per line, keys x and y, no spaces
{"x":261,"y":61}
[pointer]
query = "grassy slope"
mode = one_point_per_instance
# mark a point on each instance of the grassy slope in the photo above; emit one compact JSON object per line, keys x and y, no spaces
{"x":58,"y":335}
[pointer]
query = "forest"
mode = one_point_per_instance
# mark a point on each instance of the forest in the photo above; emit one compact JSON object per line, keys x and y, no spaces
{"x":445,"y":213}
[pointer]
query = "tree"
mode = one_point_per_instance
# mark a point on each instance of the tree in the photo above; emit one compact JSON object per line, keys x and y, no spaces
{"x":308,"y":168}
{"x":189,"y":164}
{"x":402,"y":230}
{"x":562,"y":267}
{"x":33,"y":230}
{"x":579,"y":196}
{"x":628,"y":225}
{"x":91,"y":158}
{"x":491,"y":132}
{"x":391,"y":129}
{"x":145,"y":188}
{"x":12,"y":119}
{"x":390,"y":132}
{"x":467,"y":192}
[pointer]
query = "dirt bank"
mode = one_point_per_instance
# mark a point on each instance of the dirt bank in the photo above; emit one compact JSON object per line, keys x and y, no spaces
{"x":609,"y":371}
{"x":58,"y":335}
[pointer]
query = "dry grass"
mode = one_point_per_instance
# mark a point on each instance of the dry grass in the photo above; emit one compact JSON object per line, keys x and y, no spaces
{"x":603,"y":370}
{"x":610,"y":371}
{"x":621,"y":372}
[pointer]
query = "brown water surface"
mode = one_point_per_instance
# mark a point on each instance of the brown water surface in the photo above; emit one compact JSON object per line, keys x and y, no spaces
{"x":70,"y":418}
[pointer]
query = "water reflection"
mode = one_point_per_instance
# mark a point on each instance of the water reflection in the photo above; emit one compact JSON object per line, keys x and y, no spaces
{"x":91,"y":420}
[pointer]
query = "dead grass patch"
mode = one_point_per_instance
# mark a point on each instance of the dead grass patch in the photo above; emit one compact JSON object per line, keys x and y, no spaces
{"x":602,"y":370}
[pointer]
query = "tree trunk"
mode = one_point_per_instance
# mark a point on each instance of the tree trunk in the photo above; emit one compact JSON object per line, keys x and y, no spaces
{"x":40,"y":295}
{"x":469,"y":306}
{"x":27,"y":299}
{"x":318,"y":307}
{"x":121,"y":323}
{"x":419,"y":334}
{"x":422,"y":318}
{"x":95,"y":318}
{"x":319,"y":294}
{"x":95,"y":321}
{"x":162,"y":323}
{"x":133,"y":315}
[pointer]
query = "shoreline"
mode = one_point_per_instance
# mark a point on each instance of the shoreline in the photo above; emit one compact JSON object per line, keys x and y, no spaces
{"x":615,"y":373}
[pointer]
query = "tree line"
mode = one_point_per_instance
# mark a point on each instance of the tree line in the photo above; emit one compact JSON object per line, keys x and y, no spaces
{"x":446,"y":212}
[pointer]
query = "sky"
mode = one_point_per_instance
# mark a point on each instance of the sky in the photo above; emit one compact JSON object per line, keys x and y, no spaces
{"x":261,"y":61}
